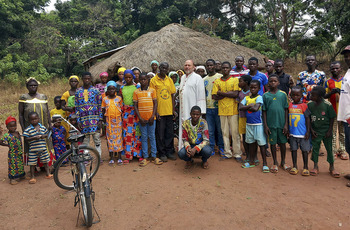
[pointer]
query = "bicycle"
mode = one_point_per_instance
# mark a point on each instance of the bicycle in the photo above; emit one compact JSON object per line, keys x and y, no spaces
{"x":70,"y":172}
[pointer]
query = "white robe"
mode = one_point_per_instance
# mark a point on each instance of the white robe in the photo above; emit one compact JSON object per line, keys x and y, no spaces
{"x":191,"y":93}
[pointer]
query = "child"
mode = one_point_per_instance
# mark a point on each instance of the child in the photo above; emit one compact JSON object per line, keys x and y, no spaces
{"x":175,"y":77}
{"x":131,"y":130}
{"x":112,"y":110}
{"x":73,"y":119}
{"x":195,"y":138}
{"x":58,"y":110}
{"x":35,"y":135}
{"x":275,"y":117}
{"x":58,"y":136}
{"x":244,"y":84}
{"x":120,"y":82}
{"x":137,"y":71}
{"x":253,"y":65}
{"x":333,"y":86}
{"x":322,"y":118}
{"x":299,"y":130}
{"x":102,"y":86}
{"x":145,"y":101}
{"x":226,"y":91}
{"x":269,"y":67}
{"x":254,"y":128}
{"x":12,"y":140}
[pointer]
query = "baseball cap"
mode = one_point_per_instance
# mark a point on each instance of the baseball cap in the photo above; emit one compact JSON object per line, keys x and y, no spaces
{"x":346,"y":49}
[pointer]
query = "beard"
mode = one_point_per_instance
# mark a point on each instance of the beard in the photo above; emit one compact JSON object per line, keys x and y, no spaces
{"x":187,"y":72}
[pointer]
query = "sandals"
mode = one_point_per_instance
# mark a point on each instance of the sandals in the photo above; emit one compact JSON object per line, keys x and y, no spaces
{"x":344,"y":156}
{"x":294,"y":171}
{"x":247,"y":165}
{"x":144,"y":162}
{"x":286,"y":167}
{"x":49,"y":176}
{"x":305,"y":172}
{"x":119,"y":162}
{"x":32,"y":181}
{"x":111,"y":162}
{"x":313,"y":172}
{"x":157,"y":161}
{"x":265,"y":169}
{"x":274,"y":169}
{"x":334,"y":174}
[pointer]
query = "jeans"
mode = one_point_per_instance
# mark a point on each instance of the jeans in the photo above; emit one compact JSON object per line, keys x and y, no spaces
{"x":214,"y":127}
{"x":347,"y":137}
{"x":148,"y":131}
{"x":205,"y":153}
{"x":165,"y":135}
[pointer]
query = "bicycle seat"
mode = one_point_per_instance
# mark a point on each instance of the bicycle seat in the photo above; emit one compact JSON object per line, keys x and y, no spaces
{"x":75,"y":138}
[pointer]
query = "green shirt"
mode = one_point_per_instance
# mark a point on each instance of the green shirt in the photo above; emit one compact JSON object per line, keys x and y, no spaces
{"x":128,"y":92}
{"x":275,"y":106}
{"x":320,"y":116}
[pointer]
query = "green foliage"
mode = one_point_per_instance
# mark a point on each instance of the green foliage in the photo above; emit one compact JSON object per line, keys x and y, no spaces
{"x":261,"y":42}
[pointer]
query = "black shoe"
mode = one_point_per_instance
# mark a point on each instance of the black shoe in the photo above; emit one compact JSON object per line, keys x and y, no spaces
{"x":172,"y":157}
{"x":163,"y":158}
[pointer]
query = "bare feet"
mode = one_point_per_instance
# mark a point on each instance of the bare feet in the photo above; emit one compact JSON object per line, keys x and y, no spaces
{"x":205,"y":165}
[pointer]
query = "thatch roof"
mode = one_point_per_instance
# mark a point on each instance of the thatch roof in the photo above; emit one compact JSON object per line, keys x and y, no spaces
{"x":174,"y":44}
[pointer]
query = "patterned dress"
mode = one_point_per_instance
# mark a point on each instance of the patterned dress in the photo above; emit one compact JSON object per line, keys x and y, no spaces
{"x":15,"y":156}
{"x":131,"y":129}
{"x":308,"y":80}
{"x":59,"y":145}
{"x":114,"y":123}
{"x":88,"y":109}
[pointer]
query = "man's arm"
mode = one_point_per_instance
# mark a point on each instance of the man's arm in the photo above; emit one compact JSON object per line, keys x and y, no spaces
{"x":21,"y":115}
{"x":229,"y":94}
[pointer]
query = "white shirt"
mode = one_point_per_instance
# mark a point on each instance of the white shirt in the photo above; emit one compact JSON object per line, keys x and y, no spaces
{"x":344,"y":99}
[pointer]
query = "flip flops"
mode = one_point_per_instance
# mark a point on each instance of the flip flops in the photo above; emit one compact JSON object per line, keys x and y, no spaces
{"x":313,"y":172}
{"x":32,"y":181}
{"x":119,"y":162}
{"x":144,"y":162}
{"x":305,"y":172}
{"x":265,"y":169}
{"x":334,"y":174}
{"x":50,"y":176}
{"x":344,"y":156}
{"x":247,"y":165}
{"x":294,"y":171}
{"x":286,"y":167}
{"x":157,"y":161}
{"x":274,"y":169}
{"x":111,"y":162}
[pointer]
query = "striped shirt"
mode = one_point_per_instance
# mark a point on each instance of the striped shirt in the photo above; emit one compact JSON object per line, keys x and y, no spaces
{"x":36,"y":145}
{"x":144,"y":99}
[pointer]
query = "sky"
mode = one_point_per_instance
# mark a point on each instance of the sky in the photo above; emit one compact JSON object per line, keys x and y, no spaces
{"x":52,"y":5}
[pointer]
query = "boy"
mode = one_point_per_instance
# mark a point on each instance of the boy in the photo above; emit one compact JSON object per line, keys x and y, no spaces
{"x":275,"y":117}
{"x":333,"y":86}
{"x":254,"y":128}
{"x":165,"y":90}
{"x":58,"y":110}
{"x":35,"y":134}
{"x":195,"y":138}
{"x":244,"y":84}
{"x":253,"y":65}
{"x":299,"y":130}
{"x":322,"y":118}
{"x":226,"y":91}
{"x":286,"y":81}
{"x":239,"y":69}
{"x":145,"y":102}
{"x":212,"y":117}
{"x":269,"y":67}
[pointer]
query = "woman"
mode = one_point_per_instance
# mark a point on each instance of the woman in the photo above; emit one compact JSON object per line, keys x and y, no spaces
{"x":68,"y":97}
{"x":34,"y":102}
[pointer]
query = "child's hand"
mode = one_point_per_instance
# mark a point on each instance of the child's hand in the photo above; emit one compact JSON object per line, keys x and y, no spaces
{"x":307,"y":135}
{"x":313,"y":133}
{"x":267,"y":131}
{"x":285,"y":130}
{"x":143,"y":122}
{"x":151,"y":120}
{"x":329,"y":133}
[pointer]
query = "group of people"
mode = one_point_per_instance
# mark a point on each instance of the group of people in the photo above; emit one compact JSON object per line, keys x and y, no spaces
{"x":210,"y":109}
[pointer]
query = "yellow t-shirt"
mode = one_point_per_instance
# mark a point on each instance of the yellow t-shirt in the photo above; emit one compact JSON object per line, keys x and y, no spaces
{"x":227,"y":106}
{"x":164,"y":89}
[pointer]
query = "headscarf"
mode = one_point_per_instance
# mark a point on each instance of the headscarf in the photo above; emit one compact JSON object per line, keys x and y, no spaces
{"x":153,"y":75}
{"x":136,"y":68}
{"x":10,"y":119}
{"x":111,"y":83}
{"x":271,"y":61}
{"x":32,"y":79}
{"x":75,"y":77}
{"x":183,"y":73}
{"x":155,"y":61}
{"x":177,"y":78}
{"x":103,"y":74}
{"x":121,"y":69}
{"x":129,"y":71}
{"x":203,"y":68}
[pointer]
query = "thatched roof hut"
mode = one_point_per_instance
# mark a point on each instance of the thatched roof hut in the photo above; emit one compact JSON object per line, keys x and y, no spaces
{"x":174,"y":44}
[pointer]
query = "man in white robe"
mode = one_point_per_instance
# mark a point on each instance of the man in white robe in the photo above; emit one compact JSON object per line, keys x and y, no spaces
{"x":191,"y":93}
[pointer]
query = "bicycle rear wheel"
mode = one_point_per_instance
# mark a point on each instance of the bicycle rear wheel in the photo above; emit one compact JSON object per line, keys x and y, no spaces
{"x":64,"y":168}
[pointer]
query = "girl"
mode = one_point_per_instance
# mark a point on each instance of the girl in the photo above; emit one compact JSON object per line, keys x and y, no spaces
{"x":68,"y":98}
{"x":112,"y":110}
{"x":131,"y":130}
{"x":137,"y":71}
{"x":101,"y":86}
{"x":120,"y":82}
{"x":12,"y":140}
{"x":58,"y":134}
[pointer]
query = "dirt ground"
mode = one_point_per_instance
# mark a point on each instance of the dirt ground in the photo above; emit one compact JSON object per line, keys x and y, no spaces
{"x":169,"y":197}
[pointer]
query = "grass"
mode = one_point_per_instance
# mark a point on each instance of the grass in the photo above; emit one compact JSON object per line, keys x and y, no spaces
{"x":10,"y":95}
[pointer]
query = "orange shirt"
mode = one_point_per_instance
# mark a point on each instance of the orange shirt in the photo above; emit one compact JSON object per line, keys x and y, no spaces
{"x":113,"y":106}
{"x":144,"y":99}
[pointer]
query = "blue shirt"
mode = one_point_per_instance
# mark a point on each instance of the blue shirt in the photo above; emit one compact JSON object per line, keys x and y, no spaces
{"x":262,"y":79}
{"x":253,"y":118}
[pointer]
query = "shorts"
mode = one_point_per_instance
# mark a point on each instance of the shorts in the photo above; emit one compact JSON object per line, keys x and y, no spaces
{"x":295,"y":142}
{"x":43,"y":156}
{"x":277,"y":137}
{"x":242,"y":122}
{"x":255,"y":133}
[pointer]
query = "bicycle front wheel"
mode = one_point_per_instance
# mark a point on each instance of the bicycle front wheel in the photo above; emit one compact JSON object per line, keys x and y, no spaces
{"x":64,"y":169}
